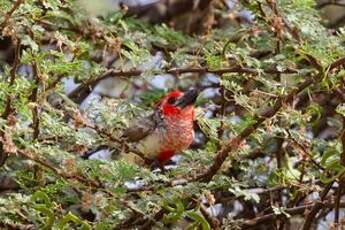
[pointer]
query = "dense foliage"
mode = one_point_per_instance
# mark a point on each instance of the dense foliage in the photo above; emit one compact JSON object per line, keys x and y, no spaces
{"x":269,"y":149}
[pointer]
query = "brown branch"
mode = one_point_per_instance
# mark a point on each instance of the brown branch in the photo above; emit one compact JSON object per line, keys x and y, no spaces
{"x":322,"y":3}
{"x":123,"y":144}
{"x":149,"y":223}
{"x":83,"y":90}
{"x":221,"y":113}
{"x":338,"y":63}
{"x":8,"y":107}
{"x":13,"y":71}
{"x":10,"y":12}
{"x":173,"y":9}
{"x":214,"y":222}
{"x":234,"y":143}
{"x":341,"y":179}
{"x":300,"y":210}
{"x":337,"y":204}
{"x":278,"y":21}
{"x":305,"y":151}
{"x":316,"y":208}
{"x":34,"y":99}
{"x":29,"y":155}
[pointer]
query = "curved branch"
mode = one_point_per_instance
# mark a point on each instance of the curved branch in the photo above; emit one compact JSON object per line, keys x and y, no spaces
{"x":234,"y":144}
{"x":83,"y":90}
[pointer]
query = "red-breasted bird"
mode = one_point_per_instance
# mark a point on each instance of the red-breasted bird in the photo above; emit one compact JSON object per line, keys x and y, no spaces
{"x":169,"y":130}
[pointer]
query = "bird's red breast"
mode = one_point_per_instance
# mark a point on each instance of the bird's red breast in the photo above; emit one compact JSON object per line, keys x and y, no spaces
{"x":174,"y":131}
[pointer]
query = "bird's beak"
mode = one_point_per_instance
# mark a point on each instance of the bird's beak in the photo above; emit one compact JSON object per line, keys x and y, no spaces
{"x":188,"y":98}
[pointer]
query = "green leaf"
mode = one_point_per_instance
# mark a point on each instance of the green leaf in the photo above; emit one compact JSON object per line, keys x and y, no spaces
{"x":199,"y":219}
{"x":69,"y":217}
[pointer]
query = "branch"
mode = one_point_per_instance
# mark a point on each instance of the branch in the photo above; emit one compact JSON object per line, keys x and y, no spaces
{"x":292,"y":211}
{"x":83,"y":90}
{"x":316,"y":208}
{"x":8,"y":107}
{"x":338,"y":63}
{"x":324,"y":3}
{"x":119,"y":141}
{"x":214,"y":222}
{"x":305,"y":151}
{"x":13,"y":71}
{"x":234,"y":143}
{"x":173,"y":9}
{"x":56,"y":171}
{"x":9,"y":13}
{"x":34,"y":97}
{"x":341,"y":179}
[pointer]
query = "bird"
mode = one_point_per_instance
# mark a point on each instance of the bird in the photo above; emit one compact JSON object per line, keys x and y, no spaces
{"x":168,"y":130}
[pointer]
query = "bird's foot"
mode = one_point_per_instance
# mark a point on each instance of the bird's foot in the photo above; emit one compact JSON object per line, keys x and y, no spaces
{"x":156,"y":165}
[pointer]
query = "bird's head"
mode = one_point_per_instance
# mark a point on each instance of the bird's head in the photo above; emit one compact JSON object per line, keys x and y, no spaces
{"x":180,"y":104}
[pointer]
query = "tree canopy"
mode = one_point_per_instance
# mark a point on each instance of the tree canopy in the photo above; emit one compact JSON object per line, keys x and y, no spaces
{"x":269,"y":148}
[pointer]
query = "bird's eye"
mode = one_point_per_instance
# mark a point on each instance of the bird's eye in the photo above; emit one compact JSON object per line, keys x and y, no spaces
{"x":172,"y":100}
